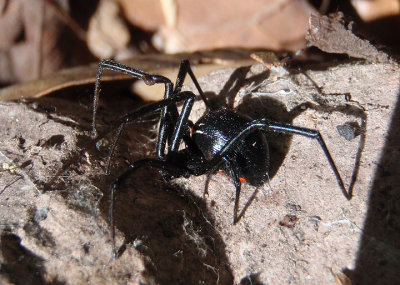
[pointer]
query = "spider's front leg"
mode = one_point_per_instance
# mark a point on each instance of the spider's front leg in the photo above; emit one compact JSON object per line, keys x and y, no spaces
{"x":168,"y":165}
{"x":185,"y":69}
{"x":169,"y":114}
{"x":147,"y":78}
{"x":188,"y":97}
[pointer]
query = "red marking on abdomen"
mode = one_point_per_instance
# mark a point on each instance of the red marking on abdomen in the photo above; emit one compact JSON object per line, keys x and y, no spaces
{"x":242,"y":179}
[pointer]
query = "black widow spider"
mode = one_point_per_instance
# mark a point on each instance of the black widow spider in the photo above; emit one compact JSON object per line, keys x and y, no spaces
{"x":221,"y":139}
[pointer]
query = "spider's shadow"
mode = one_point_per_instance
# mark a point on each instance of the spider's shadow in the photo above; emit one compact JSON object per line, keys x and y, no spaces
{"x":257,"y":107}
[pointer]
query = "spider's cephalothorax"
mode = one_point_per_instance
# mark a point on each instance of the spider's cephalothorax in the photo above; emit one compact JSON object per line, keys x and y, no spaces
{"x":220,"y":140}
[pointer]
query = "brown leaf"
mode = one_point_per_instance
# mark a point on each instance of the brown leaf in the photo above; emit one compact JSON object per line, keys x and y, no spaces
{"x":332,"y":36}
{"x":204,"y":62}
{"x":197,"y":25}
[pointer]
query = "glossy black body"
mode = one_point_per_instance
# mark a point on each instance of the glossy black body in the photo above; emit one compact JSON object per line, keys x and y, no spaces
{"x":250,"y":156}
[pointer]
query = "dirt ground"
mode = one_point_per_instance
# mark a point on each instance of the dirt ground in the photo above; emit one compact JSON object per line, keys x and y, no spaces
{"x":300,"y":229}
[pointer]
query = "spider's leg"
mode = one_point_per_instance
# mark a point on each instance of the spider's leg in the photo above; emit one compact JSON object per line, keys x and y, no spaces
{"x":185,"y":69}
{"x":145,"y":110}
{"x":266,"y":126}
{"x":177,"y":134}
{"x":232,"y":169}
{"x":233,"y":173}
{"x":147,"y":78}
{"x":169,"y":115}
{"x":182,"y":122}
{"x":313,"y":134}
{"x":163,"y":165}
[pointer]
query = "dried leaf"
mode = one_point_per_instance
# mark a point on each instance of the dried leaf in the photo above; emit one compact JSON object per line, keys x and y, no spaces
{"x":203,"y":62}
{"x":332,"y":36}
{"x":183,"y":26}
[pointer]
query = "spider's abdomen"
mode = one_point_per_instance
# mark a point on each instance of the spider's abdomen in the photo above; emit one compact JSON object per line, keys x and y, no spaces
{"x":251,"y":157}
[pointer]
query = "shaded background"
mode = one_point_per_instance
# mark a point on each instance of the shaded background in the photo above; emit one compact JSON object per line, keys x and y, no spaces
{"x":40,"y":37}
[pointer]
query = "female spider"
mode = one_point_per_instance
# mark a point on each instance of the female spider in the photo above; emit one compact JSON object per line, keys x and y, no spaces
{"x":221,"y":139}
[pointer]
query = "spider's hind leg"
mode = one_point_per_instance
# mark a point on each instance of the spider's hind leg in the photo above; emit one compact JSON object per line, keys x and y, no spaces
{"x":313,"y":134}
{"x":266,"y":126}
{"x":232,"y":169}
